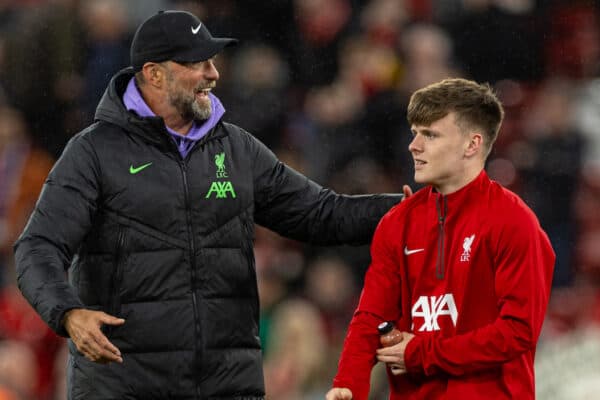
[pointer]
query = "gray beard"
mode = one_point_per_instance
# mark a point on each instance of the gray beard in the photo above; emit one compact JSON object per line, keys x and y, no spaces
{"x":202,"y":112}
{"x":189,"y":109}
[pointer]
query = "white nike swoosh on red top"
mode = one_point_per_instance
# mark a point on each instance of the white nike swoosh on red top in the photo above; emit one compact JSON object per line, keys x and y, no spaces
{"x":409,"y":252}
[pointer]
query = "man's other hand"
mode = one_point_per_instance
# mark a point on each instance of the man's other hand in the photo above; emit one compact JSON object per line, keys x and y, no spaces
{"x":339,"y":394}
{"x":84,"y":326}
{"x":407,"y":191}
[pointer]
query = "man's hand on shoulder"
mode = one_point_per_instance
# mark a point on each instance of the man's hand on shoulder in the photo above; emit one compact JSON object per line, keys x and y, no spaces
{"x":339,"y":394}
{"x":407,"y":191}
{"x":84,"y":326}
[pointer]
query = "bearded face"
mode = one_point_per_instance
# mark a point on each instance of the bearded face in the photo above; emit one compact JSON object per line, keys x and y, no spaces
{"x":190,"y":99}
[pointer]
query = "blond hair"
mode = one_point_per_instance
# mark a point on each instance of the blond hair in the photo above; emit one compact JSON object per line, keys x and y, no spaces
{"x":476,"y":107}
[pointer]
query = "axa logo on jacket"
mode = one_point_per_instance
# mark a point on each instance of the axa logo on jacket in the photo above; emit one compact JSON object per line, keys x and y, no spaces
{"x":429,"y":308}
{"x":221,"y":189}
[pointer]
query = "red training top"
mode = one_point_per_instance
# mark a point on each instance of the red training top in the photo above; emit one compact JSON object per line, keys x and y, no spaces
{"x":469,"y":274}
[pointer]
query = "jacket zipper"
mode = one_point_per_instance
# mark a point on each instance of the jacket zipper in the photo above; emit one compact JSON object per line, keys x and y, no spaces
{"x":248,"y":253}
{"x":192,"y":243}
{"x":115,"y":300}
{"x":442,"y":210}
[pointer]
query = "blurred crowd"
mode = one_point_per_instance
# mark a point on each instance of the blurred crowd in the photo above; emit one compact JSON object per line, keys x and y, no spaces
{"x":325,"y":84}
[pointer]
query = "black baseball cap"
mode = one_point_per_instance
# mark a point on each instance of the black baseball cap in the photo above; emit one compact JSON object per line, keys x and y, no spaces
{"x":174,"y":35}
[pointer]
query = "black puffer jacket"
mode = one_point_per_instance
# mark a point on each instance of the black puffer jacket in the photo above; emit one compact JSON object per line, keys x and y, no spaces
{"x":166,"y":243}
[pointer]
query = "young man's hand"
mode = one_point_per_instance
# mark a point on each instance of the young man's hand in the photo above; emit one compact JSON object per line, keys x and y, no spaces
{"x":84,"y":326}
{"x":339,"y":394}
{"x":393,"y":356}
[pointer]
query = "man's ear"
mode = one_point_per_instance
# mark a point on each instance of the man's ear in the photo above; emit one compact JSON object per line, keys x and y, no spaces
{"x":153,"y":74}
{"x":474,"y":145}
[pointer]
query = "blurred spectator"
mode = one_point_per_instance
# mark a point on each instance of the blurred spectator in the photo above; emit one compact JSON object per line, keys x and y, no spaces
{"x":428,"y":57}
{"x":339,"y":115}
{"x":139,"y":10}
{"x":23,"y":169}
{"x":18,"y":369}
{"x":315,"y":37}
{"x":588,"y":121}
{"x":255,"y":92}
{"x":331,"y":287}
{"x":10,"y":15}
{"x":498,"y":40}
{"x":198,"y":8}
{"x":60,"y":373}
{"x":374,"y":66}
{"x":566,"y":313}
{"x":107,"y":47}
{"x":589,"y":259}
{"x":588,"y":201}
{"x":294,"y":368}
{"x":588,"y":219}
{"x":7,"y":393}
{"x":382,"y":20}
{"x":43,"y":75}
{"x":279,"y":263}
{"x":571,"y":43}
{"x":334,"y":113}
{"x":20,"y":323}
{"x":268,"y":21}
{"x":568,"y":368}
{"x":550,"y":162}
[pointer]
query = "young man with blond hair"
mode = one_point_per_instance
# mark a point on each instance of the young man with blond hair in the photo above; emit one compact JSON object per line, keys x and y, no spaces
{"x":462,"y":268}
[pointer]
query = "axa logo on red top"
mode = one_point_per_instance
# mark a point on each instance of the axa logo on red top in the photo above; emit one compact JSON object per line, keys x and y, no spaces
{"x":428,"y":309}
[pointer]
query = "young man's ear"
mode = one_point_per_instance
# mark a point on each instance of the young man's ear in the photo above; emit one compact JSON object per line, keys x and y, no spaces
{"x":475,"y":145}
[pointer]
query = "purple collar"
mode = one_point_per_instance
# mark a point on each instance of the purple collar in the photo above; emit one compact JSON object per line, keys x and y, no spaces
{"x":134,"y":101}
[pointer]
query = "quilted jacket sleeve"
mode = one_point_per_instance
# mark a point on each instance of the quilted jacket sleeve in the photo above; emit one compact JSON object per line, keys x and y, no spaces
{"x":62,"y":217}
{"x":292,"y":205}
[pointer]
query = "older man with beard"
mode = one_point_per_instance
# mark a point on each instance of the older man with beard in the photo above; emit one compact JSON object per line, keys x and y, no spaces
{"x":151,"y":211}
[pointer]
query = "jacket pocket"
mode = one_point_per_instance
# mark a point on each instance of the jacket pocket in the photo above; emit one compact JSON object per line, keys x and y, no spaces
{"x":120,"y":259}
